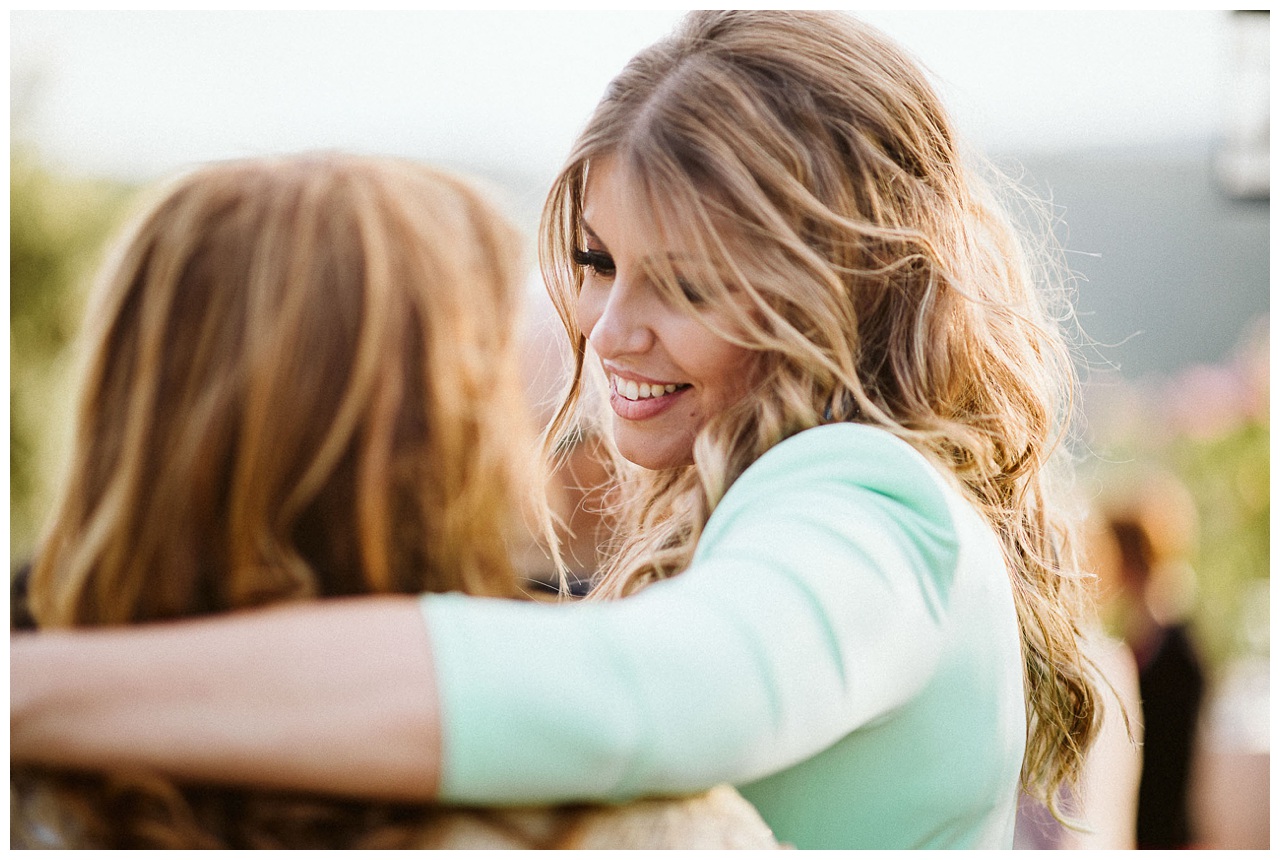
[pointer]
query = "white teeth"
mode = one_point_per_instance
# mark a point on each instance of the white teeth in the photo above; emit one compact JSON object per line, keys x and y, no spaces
{"x":633,"y":390}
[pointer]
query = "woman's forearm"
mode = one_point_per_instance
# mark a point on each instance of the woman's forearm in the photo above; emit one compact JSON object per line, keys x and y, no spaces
{"x":334,"y":696}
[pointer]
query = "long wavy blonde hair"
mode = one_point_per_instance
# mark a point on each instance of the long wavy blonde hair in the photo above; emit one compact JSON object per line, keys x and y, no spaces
{"x":303,"y":383}
{"x":809,"y":166}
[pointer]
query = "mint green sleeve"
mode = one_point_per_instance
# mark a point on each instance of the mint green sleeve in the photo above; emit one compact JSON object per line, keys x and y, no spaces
{"x":816,"y":603}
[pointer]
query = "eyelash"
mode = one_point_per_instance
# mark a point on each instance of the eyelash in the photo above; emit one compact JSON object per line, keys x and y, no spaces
{"x":597,"y":261}
{"x":603,"y":266}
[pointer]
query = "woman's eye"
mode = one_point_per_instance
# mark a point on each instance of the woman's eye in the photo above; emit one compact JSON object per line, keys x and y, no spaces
{"x":597,"y":261}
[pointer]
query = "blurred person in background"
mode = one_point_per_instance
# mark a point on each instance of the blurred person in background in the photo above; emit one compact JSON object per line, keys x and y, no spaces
{"x":1151,"y":527}
{"x":303,"y":385}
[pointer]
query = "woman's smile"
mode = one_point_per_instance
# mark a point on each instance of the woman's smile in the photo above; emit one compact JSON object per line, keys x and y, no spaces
{"x":637,"y":399}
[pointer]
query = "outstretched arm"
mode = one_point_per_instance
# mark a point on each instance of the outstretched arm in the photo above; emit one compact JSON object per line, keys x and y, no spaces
{"x":335,"y":696}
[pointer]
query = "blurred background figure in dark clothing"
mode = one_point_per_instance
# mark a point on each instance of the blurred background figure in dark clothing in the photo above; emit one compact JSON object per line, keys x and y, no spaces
{"x":1150,"y":586}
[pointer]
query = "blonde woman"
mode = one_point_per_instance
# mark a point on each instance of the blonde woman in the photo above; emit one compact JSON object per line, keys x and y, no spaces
{"x":302,"y":385}
{"x":835,"y":392}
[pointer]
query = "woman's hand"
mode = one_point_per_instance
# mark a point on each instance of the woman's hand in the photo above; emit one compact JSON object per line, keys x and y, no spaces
{"x":334,"y":696}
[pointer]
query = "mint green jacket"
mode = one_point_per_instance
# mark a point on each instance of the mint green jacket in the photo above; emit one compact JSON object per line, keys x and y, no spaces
{"x":843,"y":648}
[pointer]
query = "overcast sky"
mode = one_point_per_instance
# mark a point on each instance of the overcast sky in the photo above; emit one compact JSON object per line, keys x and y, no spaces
{"x":135,"y":94}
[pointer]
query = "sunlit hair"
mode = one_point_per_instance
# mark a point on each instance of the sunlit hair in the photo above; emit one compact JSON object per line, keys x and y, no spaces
{"x":302,"y":383}
{"x":807,"y":163}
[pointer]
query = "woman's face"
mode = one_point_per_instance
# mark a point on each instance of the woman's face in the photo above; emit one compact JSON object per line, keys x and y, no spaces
{"x":667,"y":371}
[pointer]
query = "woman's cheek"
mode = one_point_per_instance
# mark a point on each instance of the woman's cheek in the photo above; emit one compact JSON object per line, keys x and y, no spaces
{"x":588,"y":309}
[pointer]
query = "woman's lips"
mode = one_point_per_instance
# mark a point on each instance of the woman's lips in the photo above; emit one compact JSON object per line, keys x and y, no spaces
{"x":636,"y":401}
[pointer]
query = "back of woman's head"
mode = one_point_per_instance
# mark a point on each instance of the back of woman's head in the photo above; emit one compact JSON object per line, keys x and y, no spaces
{"x":301,"y":384}
{"x":832,"y":219}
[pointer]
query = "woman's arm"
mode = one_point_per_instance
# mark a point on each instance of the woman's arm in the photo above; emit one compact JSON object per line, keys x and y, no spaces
{"x":334,"y":696}
{"x":780,"y":639}
{"x":818,"y":602}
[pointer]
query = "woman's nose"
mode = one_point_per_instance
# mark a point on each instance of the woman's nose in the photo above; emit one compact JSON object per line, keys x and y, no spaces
{"x":616,"y":321}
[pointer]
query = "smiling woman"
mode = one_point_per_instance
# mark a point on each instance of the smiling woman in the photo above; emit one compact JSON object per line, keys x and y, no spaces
{"x":849,"y":585}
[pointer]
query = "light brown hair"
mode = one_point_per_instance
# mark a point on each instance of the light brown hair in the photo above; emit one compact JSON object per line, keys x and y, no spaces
{"x":807,"y":161}
{"x":302,"y":383}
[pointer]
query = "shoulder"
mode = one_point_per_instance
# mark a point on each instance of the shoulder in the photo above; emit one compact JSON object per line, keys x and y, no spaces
{"x":842,"y":485}
{"x":717,"y":819}
{"x":848,"y":464}
{"x":855,"y":454}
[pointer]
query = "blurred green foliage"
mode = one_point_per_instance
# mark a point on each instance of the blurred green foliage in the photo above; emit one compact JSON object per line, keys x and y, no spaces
{"x":57,"y":226}
{"x":1229,"y":479}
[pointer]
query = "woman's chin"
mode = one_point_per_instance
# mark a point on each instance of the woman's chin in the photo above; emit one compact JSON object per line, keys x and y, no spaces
{"x":654,"y":455}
